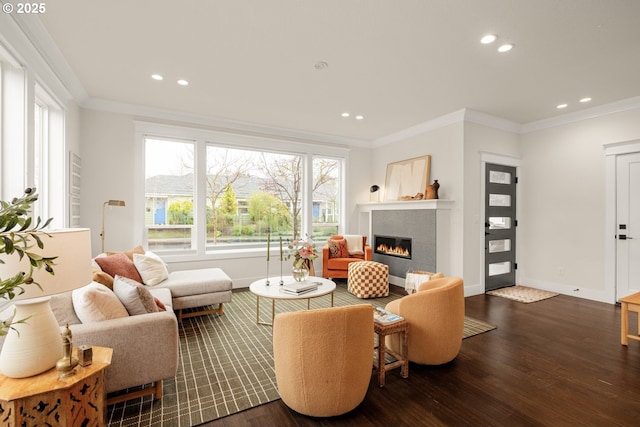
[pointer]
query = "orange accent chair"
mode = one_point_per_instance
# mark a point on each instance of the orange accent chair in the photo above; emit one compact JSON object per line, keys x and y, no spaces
{"x":436,"y":321}
{"x":338,"y":267}
{"x":322,"y":358}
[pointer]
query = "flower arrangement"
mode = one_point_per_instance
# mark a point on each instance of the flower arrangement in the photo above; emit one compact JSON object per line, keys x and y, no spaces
{"x":301,"y":251}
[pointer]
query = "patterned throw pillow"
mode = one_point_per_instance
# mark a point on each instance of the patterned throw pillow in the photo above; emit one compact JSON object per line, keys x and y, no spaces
{"x":338,"y":249}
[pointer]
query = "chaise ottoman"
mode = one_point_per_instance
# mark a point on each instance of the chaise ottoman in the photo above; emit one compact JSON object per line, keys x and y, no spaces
{"x":368,"y":279}
{"x":198,"y":288}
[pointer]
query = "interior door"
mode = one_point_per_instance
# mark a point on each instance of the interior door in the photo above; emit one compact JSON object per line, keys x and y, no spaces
{"x":628,"y":224}
{"x":500,"y":226}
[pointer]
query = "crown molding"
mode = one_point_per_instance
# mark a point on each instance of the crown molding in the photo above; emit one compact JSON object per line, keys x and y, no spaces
{"x":590,"y":113}
{"x":227,"y":125}
{"x":439,"y":122}
{"x":464,"y":115}
{"x":488,"y":120}
{"x":45,"y":58}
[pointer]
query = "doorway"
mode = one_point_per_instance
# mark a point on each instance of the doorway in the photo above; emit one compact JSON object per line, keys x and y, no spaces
{"x":627,"y":233}
{"x":499,"y":226}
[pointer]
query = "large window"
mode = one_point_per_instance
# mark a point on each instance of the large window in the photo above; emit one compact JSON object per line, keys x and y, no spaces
{"x":32,"y":153}
{"x":169,"y":194}
{"x":211,"y":197}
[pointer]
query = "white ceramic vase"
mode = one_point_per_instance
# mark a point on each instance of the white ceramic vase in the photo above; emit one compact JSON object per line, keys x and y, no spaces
{"x":32,"y":347}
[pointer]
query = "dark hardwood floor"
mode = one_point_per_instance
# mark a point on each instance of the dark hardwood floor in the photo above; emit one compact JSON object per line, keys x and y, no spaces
{"x":556,"y":362}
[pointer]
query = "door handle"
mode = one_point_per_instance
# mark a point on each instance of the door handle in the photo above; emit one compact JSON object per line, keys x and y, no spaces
{"x":624,"y":237}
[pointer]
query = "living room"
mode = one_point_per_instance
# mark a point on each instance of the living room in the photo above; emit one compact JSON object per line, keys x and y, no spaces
{"x":563,"y":156}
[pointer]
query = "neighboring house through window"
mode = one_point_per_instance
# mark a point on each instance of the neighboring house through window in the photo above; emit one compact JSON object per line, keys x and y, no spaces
{"x":205,"y":193}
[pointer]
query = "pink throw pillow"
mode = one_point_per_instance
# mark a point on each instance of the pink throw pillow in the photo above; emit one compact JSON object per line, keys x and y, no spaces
{"x":119,"y":264}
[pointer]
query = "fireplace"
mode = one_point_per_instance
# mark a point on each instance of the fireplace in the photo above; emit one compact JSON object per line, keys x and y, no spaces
{"x":392,"y":228}
{"x":393,"y":246}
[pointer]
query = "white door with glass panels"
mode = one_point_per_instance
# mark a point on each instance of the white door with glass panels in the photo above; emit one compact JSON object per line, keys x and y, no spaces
{"x":500,"y":226}
{"x":627,"y":224}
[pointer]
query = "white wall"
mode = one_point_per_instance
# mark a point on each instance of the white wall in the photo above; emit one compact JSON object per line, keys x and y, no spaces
{"x":445,"y":145}
{"x":564,"y":204}
{"x":107,"y":152}
{"x":109,"y":168}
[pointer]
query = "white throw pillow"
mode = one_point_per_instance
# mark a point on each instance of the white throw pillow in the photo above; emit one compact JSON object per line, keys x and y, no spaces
{"x":151,"y":268}
{"x":136,"y":298}
{"x":95,"y":303}
{"x":354,"y":244}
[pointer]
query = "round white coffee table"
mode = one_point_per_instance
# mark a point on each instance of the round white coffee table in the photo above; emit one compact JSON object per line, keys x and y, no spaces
{"x":273,"y":291}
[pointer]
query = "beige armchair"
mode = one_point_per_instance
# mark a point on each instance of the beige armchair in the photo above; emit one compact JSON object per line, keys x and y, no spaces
{"x":323,"y":358}
{"x":436,"y":321}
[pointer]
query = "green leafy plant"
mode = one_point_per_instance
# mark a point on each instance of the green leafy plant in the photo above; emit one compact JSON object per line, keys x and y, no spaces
{"x":18,"y":236}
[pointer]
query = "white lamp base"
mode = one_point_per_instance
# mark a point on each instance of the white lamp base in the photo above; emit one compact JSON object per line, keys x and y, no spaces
{"x":32,"y":347}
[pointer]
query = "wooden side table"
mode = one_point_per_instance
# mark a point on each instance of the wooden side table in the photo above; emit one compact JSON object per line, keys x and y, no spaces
{"x":46,"y":399}
{"x":629,"y":303}
{"x":401,"y":359}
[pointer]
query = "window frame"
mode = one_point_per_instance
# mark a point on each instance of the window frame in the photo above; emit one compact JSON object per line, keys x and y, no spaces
{"x":201,"y":139}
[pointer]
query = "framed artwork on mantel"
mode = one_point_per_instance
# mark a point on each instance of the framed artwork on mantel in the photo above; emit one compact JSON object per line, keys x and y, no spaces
{"x":407,"y":179}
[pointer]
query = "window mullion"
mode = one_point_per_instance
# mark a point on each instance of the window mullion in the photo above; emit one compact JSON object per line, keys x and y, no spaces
{"x":307,"y":196}
{"x":200,"y":220}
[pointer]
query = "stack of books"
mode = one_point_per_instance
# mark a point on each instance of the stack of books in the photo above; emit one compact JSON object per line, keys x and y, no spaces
{"x":385,"y":317}
{"x":299,"y":288}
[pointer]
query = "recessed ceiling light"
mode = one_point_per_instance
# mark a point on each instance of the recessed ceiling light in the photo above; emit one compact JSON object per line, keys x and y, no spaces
{"x":345,"y":114}
{"x":489,"y":38}
{"x":359,"y":117}
{"x":561,"y":106}
{"x":587,"y":99}
{"x":182,"y":82}
{"x":505,"y":47}
{"x":156,"y":77}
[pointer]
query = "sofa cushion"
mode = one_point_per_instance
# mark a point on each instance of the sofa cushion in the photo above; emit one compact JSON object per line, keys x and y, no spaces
{"x":137,"y":250}
{"x":338,"y":248}
{"x":136,"y":298}
{"x":196,"y":282}
{"x":119,"y":264}
{"x":151,"y":268}
{"x":102,"y":278}
{"x":341,"y":263}
{"x":63,"y":310}
{"x":95,"y":303}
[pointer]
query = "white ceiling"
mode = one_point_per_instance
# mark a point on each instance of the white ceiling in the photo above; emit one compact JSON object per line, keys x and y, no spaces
{"x":398,"y":62}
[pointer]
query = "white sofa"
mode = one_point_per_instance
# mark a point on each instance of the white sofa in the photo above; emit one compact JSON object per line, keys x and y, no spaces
{"x":192,"y":290}
{"x":197,"y":290}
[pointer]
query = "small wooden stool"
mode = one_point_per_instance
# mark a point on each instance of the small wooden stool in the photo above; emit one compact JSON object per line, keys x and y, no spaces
{"x":380,"y":361}
{"x":629,"y":303}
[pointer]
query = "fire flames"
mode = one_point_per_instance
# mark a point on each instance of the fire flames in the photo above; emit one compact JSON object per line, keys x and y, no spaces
{"x":392,"y":250}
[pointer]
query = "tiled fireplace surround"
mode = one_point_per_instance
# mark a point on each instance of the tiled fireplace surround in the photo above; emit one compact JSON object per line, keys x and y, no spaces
{"x":426,"y":223}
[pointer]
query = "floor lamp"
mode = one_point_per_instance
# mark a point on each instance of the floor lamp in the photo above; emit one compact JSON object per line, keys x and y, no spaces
{"x":104,"y":206}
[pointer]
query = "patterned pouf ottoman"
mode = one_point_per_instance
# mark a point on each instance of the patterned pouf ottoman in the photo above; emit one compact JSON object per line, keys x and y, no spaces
{"x":368,"y":279}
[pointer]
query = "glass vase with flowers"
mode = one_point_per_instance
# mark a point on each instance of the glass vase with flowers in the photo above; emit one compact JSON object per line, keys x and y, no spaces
{"x":303,"y":252}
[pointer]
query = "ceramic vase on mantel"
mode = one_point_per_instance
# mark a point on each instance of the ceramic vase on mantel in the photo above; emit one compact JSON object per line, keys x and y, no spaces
{"x":300,"y":274}
{"x":34,"y":346}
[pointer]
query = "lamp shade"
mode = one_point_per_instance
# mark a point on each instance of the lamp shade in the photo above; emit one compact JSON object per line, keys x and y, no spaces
{"x":34,"y":345}
{"x":72,"y":268}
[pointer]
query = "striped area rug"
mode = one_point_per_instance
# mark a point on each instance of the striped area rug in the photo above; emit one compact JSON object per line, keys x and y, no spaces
{"x":226,"y":364}
{"x":522,"y":294}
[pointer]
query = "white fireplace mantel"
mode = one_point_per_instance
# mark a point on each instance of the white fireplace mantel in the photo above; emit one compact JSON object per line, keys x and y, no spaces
{"x":405,"y":205}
